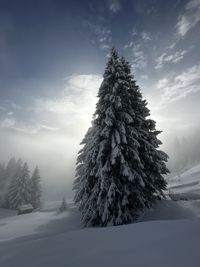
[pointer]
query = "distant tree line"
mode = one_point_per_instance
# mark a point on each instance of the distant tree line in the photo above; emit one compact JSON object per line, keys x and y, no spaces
{"x":185,"y":152}
{"x":18,"y":186}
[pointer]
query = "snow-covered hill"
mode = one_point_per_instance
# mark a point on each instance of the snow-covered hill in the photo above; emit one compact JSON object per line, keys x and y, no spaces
{"x":168,"y":236}
{"x":189,"y":181}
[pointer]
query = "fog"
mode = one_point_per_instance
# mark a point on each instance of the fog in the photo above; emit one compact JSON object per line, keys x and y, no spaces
{"x":55,"y":150}
{"x":53,"y":153}
{"x":47,"y":131}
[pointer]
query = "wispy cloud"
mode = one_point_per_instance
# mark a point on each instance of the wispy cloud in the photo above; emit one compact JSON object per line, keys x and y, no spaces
{"x":114,"y":5}
{"x":138,"y":47}
{"x":175,"y":87}
{"x":142,"y":38}
{"x":189,"y":18}
{"x":7,"y":122}
{"x":129,"y":45}
{"x":2,"y":108}
{"x":101,"y":33}
{"x":74,"y":107}
{"x":146,"y":36}
{"x":144,"y":77}
{"x":170,"y":57}
{"x":139,"y":58}
{"x":133,"y":32}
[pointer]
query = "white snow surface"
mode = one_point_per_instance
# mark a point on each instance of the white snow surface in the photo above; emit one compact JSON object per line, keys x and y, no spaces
{"x":26,"y":224}
{"x":188,"y":181}
{"x":168,"y":235}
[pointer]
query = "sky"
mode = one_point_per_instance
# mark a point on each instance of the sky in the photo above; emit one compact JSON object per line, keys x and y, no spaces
{"x":52,"y":57}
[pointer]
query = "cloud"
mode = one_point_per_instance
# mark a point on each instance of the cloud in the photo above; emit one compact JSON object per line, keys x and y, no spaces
{"x":114,"y":6}
{"x":144,"y":77}
{"x":101,"y":33}
{"x":139,"y":60}
{"x":189,"y":18}
{"x":7,"y":122}
{"x":143,"y":37}
{"x":16,"y":106}
{"x":146,"y":36}
{"x":84,"y":82}
{"x":2,"y":108}
{"x":176,"y":87}
{"x":138,"y":45}
{"x":171,"y":46}
{"x":50,"y":133}
{"x":167,"y":57}
{"x":134,"y":32}
{"x":73,"y":108}
{"x":129,"y":45}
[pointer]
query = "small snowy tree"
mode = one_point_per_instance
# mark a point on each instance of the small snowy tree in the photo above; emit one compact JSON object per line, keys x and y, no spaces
{"x":2,"y":183}
{"x":63,"y":207}
{"x":12,"y":171}
{"x":35,"y":189}
{"x":19,"y":190}
{"x":9,"y":174}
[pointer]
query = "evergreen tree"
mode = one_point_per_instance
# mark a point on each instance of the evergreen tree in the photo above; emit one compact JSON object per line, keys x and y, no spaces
{"x":19,"y":190}
{"x":152,"y":159}
{"x":2,"y":183}
{"x":10,"y":171}
{"x":63,"y":207}
{"x":35,"y":189}
{"x":113,"y":183}
{"x":13,"y":169}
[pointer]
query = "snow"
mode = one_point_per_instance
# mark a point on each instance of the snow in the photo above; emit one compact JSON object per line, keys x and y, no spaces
{"x":4,"y":213}
{"x":187,"y":182}
{"x":167,"y":236}
{"x":187,"y":185}
{"x":192,"y":205}
{"x":23,"y":225}
{"x":50,"y":205}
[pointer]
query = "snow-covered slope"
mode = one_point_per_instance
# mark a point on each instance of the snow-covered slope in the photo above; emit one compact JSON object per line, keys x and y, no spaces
{"x":168,"y":237}
{"x":24,"y":225}
{"x":156,"y":244}
{"x":189,"y":181}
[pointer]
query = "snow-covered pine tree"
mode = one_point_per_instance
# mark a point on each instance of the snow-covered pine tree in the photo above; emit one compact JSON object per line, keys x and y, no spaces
{"x":80,"y":183}
{"x":152,"y":159}
{"x":13,"y":169}
{"x":19,"y":190}
{"x":109,"y":180}
{"x":35,"y":189}
{"x":63,"y":207}
{"x":2,"y":183}
{"x":10,"y":171}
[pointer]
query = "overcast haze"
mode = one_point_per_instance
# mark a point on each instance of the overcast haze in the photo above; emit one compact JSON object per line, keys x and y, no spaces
{"x":52,"y":57}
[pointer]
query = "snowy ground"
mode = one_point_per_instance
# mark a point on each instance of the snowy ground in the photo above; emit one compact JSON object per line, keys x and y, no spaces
{"x":166,"y":236}
{"x":189,"y":181}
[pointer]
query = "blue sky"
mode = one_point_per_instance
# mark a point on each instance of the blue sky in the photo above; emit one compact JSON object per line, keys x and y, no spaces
{"x":53,"y":54}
